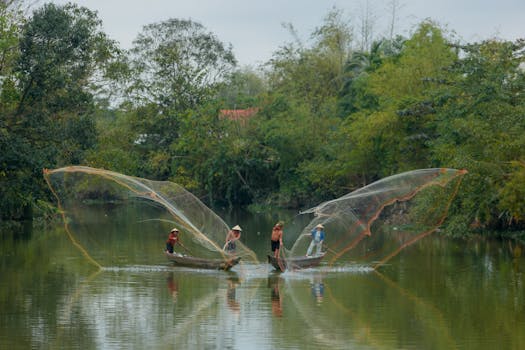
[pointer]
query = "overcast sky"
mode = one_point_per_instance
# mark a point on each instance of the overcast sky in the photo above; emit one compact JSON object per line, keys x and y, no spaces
{"x":254,"y":27}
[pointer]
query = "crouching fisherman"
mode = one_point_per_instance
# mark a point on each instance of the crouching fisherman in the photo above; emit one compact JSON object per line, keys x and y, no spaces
{"x":233,"y":235}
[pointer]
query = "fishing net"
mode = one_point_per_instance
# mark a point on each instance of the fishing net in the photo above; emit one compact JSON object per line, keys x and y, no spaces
{"x":374,"y":223}
{"x":117,"y":220}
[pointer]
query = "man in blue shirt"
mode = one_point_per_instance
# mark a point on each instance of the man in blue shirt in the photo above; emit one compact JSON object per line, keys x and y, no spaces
{"x":317,"y":240}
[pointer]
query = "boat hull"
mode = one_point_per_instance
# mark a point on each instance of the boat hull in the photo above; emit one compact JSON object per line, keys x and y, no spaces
{"x":295,"y":263}
{"x":210,"y":264}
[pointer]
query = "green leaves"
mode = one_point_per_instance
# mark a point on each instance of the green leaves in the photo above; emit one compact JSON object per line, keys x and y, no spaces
{"x":331,"y":118}
{"x":177,"y":62}
{"x":513,"y":192}
{"x":481,"y":128}
{"x":58,"y":57}
{"x":47,"y":98}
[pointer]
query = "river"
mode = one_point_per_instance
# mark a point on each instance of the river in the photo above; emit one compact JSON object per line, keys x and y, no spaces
{"x":439,"y":293}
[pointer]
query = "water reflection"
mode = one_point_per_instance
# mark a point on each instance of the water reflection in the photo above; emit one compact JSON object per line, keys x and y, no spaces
{"x":173,"y":286}
{"x":440,"y":294}
{"x":231,"y":298}
{"x":274,"y":281}
{"x":317,"y":287}
{"x":515,"y":250}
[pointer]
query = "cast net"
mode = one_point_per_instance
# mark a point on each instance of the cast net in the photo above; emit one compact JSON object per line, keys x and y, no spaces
{"x":118,"y":220}
{"x":374,"y":223}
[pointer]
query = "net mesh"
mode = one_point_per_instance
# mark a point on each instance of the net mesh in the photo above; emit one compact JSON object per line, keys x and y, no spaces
{"x":374,"y":223}
{"x":116,"y":219}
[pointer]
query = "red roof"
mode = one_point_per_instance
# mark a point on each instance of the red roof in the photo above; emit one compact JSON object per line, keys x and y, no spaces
{"x":241,"y":115}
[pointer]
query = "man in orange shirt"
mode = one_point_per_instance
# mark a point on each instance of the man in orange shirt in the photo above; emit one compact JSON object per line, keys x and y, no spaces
{"x":173,"y":239}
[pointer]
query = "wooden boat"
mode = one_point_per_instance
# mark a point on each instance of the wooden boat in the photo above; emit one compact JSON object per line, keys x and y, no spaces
{"x":300,"y":262}
{"x":211,"y":264}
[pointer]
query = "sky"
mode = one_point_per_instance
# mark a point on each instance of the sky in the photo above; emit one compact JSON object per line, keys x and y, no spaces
{"x":255,"y":27}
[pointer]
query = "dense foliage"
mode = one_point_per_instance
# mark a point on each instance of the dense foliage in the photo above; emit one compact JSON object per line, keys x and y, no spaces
{"x":47,"y":102}
{"x":330,"y":117}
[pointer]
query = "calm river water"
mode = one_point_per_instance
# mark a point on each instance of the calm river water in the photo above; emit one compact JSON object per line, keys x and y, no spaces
{"x":437,"y":294}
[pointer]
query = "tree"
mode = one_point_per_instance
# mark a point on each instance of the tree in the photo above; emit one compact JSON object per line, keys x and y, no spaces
{"x":115,"y":137}
{"x":367,"y":19}
{"x":354,"y":95}
{"x":50,"y":123}
{"x":394,"y":136}
{"x":10,"y":22}
{"x":178,"y":66}
{"x":394,"y":6}
{"x":300,"y":110}
{"x":314,"y":75}
{"x":482,"y":126}
{"x":242,"y":89}
{"x":62,"y":49}
{"x":385,"y":111}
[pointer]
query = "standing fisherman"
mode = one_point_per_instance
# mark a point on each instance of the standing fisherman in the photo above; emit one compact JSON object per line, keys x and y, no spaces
{"x":173,"y":238}
{"x":317,"y":240}
{"x":277,"y":239}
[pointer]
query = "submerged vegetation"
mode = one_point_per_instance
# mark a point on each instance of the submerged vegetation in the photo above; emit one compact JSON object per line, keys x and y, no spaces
{"x":318,"y":120}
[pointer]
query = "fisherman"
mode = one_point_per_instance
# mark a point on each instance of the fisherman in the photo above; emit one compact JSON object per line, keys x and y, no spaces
{"x":317,"y":240}
{"x":277,"y":239}
{"x":233,"y":235}
{"x":173,"y":238}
